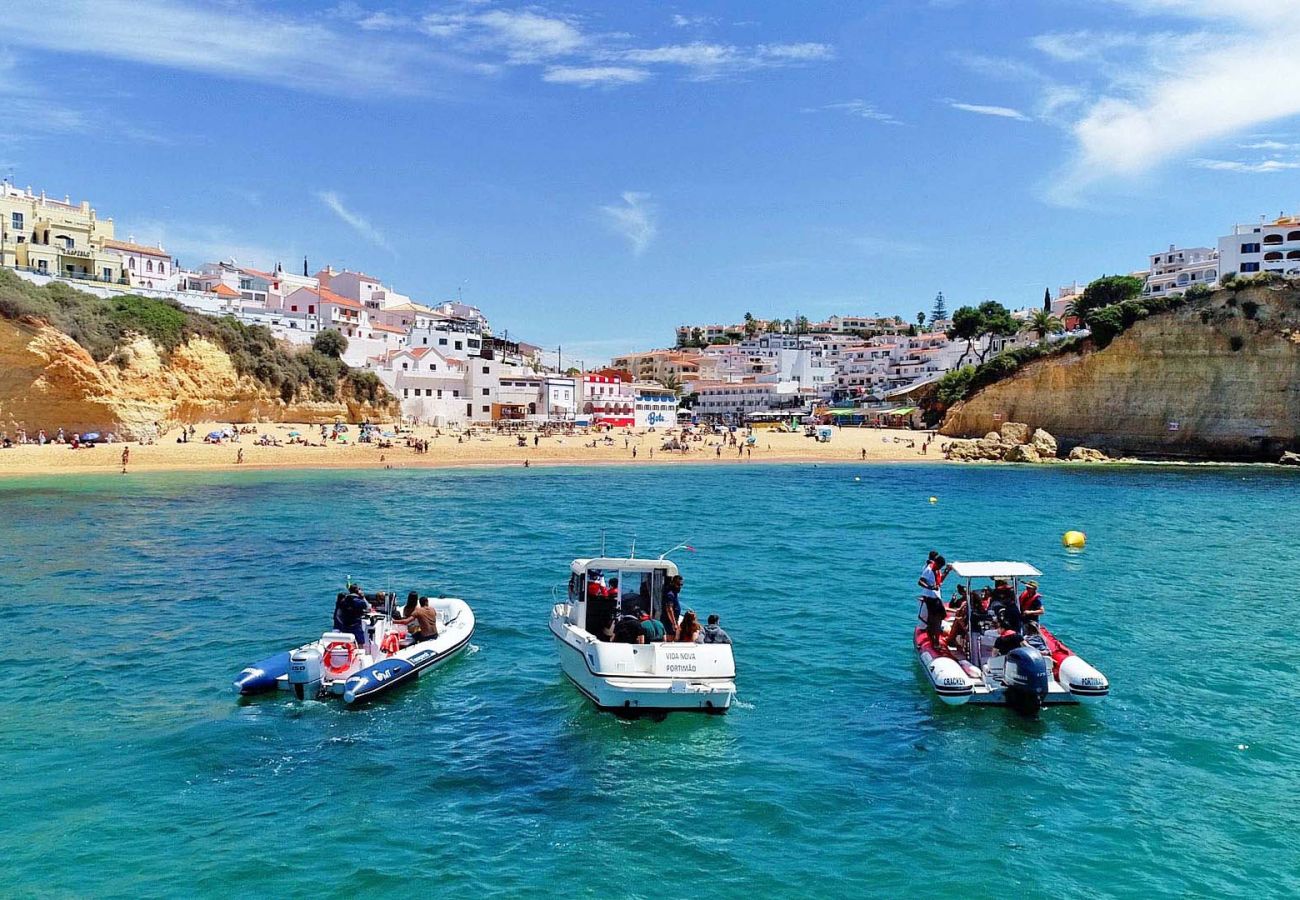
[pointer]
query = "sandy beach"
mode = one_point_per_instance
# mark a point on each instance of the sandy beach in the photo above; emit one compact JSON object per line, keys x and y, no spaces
{"x":453,"y":449}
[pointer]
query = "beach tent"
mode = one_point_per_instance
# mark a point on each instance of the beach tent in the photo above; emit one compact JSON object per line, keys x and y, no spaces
{"x":216,"y":435}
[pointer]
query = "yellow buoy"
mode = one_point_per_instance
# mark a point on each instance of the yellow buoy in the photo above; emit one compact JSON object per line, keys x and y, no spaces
{"x":1074,"y":539}
{"x":934,"y":499}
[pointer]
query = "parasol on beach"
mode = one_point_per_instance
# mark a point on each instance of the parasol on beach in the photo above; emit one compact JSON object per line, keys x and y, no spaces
{"x":92,"y":436}
{"x":295,"y":434}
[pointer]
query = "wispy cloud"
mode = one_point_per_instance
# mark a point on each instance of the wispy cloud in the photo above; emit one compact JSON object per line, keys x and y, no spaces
{"x":237,"y":41}
{"x":1000,"y":112}
{"x":594,"y":76}
{"x":634,"y":219}
{"x":353,"y":220}
{"x":1263,"y":167}
{"x":1231,"y":68}
{"x":858,"y":108}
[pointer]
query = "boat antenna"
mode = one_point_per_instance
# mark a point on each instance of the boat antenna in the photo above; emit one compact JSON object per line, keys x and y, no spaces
{"x":684,"y":545}
{"x":632,"y":555}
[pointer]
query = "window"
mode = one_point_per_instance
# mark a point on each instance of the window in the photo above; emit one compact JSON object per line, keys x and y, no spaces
{"x":405,"y":367}
{"x":442,"y":342}
{"x":311,"y":310}
{"x":486,"y":370}
{"x":1249,"y":248}
{"x":473,"y":342}
{"x":245,"y":284}
{"x":458,"y":346}
{"x":1273,"y":239}
{"x":487,"y":409}
{"x":16,"y":221}
{"x":439,"y":393}
{"x":433,"y":367}
{"x":148,"y":265}
{"x":455,"y":393}
{"x":42,"y":265}
{"x":406,"y":392}
{"x":131,"y":263}
{"x":417,"y":392}
{"x":487,"y":392}
{"x":162,"y":268}
{"x":1250,"y":267}
{"x":424,"y":341}
{"x":293,"y":309}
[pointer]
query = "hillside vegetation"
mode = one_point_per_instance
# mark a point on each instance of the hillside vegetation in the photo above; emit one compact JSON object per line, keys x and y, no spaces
{"x":107,"y":329}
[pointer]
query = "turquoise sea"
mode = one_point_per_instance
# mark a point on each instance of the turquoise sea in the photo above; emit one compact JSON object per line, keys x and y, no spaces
{"x":128,"y":769}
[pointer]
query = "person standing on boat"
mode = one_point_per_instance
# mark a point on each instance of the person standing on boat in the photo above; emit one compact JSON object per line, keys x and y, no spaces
{"x":931,"y":584}
{"x":1031,"y":602}
{"x":671,"y":610}
{"x":713,"y":633}
{"x":350,"y":614}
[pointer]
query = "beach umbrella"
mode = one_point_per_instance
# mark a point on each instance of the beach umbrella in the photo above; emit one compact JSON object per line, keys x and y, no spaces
{"x":92,"y":436}
{"x":215,"y":435}
{"x":295,"y":434}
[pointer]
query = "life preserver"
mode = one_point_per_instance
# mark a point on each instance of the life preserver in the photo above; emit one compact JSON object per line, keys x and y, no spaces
{"x":392,"y":643}
{"x":329,"y":652}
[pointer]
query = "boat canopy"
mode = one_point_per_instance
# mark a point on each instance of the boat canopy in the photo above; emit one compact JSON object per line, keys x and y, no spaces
{"x":994,"y":570}
{"x":580,"y":566}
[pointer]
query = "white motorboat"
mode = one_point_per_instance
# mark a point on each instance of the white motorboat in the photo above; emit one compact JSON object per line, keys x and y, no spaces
{"x":337,"y":666}
{"x":967,"y":668}
{"x":634,"y":679}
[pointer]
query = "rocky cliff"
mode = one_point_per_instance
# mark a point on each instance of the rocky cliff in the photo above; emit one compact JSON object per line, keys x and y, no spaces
{"x":1218,"y":378}
{"x":48,"y":380}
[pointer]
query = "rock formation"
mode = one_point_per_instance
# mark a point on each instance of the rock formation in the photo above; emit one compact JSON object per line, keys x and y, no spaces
{"x":48,"y":380}
{"x":1218,"y":378}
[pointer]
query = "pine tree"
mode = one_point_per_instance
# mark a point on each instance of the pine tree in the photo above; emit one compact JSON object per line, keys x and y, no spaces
{"x":940,"y":311}
{"x":1047,"y":300}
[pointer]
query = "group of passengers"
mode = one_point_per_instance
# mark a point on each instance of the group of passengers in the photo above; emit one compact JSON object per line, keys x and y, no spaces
{"x":637,"y":625}
{"x":998,"y":609}
{"x":353,"y":606}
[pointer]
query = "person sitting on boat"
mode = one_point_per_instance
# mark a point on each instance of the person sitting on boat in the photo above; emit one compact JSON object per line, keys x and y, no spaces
{"x":427,"y":619}
{"x":1031,"y":602}
{"x":713,"y":633}
{"x":627,"y":630}
{"x":1010,"y":638}
{"x":670,"y":611}
{"x":931,"y":583}
{"x":688,"y":631}
{"x":1003,"y":595}
{"x":407,"y":617}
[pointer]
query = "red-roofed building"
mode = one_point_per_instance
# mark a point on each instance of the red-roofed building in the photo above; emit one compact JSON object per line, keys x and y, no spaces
{"x":145,"y":266}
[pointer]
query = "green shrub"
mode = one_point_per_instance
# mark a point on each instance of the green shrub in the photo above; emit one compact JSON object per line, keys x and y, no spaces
{"x":330,"y":342}
{"x":1105,"y":324}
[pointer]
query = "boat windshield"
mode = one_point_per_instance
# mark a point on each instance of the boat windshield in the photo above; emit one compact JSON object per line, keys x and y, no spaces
{"x":614,"y":593}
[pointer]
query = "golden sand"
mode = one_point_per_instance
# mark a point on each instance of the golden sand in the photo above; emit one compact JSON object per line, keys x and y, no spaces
{"x":450,"y":449}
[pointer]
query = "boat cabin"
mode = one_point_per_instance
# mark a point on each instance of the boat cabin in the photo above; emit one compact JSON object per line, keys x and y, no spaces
{"x":604,"y":589}
{"x":997,"y":583}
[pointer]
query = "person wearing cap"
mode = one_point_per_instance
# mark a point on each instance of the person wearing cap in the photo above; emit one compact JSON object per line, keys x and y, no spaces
{"x":931,"y":585}
{"x":1031,"y":602}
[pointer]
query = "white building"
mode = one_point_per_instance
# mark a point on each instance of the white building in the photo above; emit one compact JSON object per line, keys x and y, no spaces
{"x":145,"y":266}
{"x":1175,"y":270}
{"x":1266,"y":247}
{"x":654,"y":406}
{"x":429,"y":387}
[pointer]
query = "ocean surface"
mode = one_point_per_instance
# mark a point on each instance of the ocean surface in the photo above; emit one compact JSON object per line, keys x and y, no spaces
{"x":127,"y":767}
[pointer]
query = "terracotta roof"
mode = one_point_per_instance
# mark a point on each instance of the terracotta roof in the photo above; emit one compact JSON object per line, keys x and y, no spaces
{"x":418,"y":352}
{"x":135,"y":248}
{"x":224,"y":290}
{"x":391,"y":329}
{"x":260,"y":274}
{"x":328,"y":296}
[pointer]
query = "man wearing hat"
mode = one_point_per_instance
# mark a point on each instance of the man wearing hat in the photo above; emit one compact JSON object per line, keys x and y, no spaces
{"x":1031,"y":602}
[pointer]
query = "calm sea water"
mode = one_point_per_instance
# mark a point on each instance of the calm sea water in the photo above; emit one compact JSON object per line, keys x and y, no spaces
{"x":129,"y":769}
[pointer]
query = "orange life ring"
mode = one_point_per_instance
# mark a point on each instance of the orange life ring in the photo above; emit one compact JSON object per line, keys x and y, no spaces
{"x":329,"y":650}
{"x":392,"y":643}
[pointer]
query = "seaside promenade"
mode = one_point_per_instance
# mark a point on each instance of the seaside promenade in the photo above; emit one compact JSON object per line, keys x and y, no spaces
{"x":454,"y":449}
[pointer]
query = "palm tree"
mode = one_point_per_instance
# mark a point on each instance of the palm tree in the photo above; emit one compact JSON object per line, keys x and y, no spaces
{"x":672,"y":382}
{"x":920,"y":320}
{"x":751,"y":325}
{"x":1042,"y":322}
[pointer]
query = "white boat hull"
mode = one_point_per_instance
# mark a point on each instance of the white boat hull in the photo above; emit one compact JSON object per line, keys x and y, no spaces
{"x":647,"y":679}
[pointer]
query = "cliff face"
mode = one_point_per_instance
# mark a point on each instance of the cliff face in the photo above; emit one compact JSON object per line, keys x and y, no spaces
{"x":47,"y":380}
{"x":1216,"y":379}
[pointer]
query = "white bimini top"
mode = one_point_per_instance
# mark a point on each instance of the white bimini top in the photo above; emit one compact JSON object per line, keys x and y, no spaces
{"x":994,"y":570}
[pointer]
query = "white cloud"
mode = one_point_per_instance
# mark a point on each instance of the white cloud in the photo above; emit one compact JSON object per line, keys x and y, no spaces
{"x":231,"y":41}
{"x":681,"y":21}
{"x":634,"y":219}
{"x":529,"y":37}
{"x":592,"y":76}
{"x":1235,"y":69}
{"x":858,"y":108}
{"x":1263,"y":167}
{"x":1269,"y":145}
{"x":706,"y":61}
{"x":1001,"y":112}
{"x":355,"y":221}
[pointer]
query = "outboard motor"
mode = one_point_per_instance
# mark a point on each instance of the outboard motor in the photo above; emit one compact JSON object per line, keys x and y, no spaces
{"x":1025,"y":677}
{"x":305,"y":672}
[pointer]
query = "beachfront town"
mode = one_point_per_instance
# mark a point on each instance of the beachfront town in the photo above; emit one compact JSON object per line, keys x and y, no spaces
{"x":447,"y":366}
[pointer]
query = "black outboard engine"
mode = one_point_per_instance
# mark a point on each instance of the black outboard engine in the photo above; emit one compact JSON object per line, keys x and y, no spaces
{"x":1025,"y":678}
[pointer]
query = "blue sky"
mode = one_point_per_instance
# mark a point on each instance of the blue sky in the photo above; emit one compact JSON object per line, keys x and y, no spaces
{"x":594,"y":173}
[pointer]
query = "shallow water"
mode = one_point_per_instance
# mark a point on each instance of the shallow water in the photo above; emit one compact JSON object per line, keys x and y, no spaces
{"x":129,"y":768}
